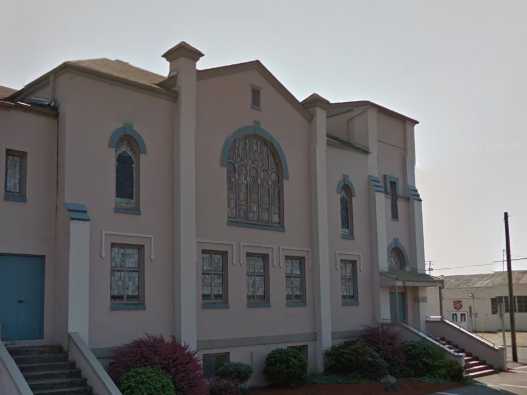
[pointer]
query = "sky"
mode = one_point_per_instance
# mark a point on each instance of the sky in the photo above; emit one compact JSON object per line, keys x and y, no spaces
{"x":459,"y":67}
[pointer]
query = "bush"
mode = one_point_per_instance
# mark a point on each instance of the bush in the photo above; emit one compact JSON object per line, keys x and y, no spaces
{"x":355,"y":358}
{"x":224,"y":387}
{"x":146,"y":381}
{"x":285,"y":367}
{"x":235,"y":371}
{"x":387,"y":343}
{"x":176,"y":360}
{"x":448,"y":370}
{"x":422,"y":358}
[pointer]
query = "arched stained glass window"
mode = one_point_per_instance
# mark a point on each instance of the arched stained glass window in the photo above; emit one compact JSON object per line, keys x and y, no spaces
{"x":397,"y":261}
{"x":127,"y":174}
{"x":254,"y":182}
{"x":346,"y":212}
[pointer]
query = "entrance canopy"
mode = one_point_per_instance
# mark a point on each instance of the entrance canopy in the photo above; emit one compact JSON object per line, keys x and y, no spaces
{"x":403,"y":278}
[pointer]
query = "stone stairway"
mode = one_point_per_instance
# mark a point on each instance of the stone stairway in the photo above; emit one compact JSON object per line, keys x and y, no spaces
{"x":48,"y":371}
{"x":474,"y":367}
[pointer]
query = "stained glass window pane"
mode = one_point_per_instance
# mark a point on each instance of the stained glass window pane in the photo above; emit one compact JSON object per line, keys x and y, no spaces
{"x":127,"y":273}
{"x":14,"y":173}
{"x":295,"y":279}
{"x":256,"y":278}
{"x":347,"y":281}
{"x":213,"y":269}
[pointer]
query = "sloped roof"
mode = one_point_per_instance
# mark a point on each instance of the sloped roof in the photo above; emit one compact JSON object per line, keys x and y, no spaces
{"x":5,"y":91}
{"x":342,"y":107}
{"x":484,"y":280}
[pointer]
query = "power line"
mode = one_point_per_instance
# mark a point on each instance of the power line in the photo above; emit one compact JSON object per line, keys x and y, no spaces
{"x":478,"y":265}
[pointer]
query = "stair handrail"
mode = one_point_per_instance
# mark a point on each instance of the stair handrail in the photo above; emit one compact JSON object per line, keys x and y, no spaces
{"x":477,"y":337}
{"x":14,"y":372}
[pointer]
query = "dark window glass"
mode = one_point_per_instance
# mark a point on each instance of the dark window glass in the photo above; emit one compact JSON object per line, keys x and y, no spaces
{"x":397,"y":261}
{"x":15,"y":175}
{"x":213,"y":277}
{"x":127,"y":274}
{"x":393,"y":200}
{"x":256,"y":98}
{"x":295,"y":280}
{"x":125,"y":176}
{"x":257,"y":279}
{"x":348,"y":282}
{"x":521,"y":304}
{"x":346,"y":212}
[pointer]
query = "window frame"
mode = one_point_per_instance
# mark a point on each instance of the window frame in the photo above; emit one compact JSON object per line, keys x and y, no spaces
{"x":20,"y":196}
{"x":303,"y":277}
{"x":212,"y":304}
{"x":123,"y":205}
{"x":347,"y":193}
{"x":140,"y":303}
{"x":354,"y":300}
{"x":394,"y":199}
{"x":266,"y":274}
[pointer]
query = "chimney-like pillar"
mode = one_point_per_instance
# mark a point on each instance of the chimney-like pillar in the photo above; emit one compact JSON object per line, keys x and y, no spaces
{"x":318,"y":106}
{"x":183,"y":77}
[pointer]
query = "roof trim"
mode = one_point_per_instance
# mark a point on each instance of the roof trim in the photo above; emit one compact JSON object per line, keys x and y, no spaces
{"x":20,"y":106}
{"x":339,"y":142}
{"x":264,"y":71}
{"x":382,"y":108}
{"x":71,"y":66}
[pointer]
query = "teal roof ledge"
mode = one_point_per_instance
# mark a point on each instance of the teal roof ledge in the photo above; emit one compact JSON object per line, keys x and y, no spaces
{"x":77,"y":211}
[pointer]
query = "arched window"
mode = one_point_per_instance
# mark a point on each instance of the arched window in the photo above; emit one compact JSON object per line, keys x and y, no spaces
{"x":254,"y":182}
{"x":127,"y":174}
{"x":397,"y":260}
{"x":346,"y":212}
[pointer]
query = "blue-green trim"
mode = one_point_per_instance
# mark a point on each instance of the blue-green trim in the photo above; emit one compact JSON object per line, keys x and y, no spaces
{"x":387,"y":180}
{"x":413,"y":193}
{"x":258,"y":305}
{"x":124,"y":210}
{"x":127,"y":306}
{"x":396,"y":243}
{"x":215,"y":306}
{"x":244,"y":224}
{"x":257,"y":130}
{"x":77,"y":211}
{"x":346,"y":181}
{"x":375,"y":184}
{"x":127,"y":130}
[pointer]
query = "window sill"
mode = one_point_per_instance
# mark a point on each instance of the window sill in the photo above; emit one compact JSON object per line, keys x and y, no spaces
{"x":215,"y":306}
{"x":124,"y":210}
{"x":350,"y":303}
{"x":258,"y":305}
{"x":252,"y":225}
{"x":15,"y":197}
{"x":127,"y":306}
{"x":256,"y":108}
{"x":295,"y":305}
{"x":346,"y":236}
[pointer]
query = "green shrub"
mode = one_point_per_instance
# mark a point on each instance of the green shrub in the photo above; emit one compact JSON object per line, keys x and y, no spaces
{"x":422,"y":358}
{"x":285,"y":367}
{"x":235,"y":371}
{"x":146,"y":381}
{"x":224,"y":387}
{"x":357,"y":359}
{"x":448,"y":370}
{"x":386,"y":342}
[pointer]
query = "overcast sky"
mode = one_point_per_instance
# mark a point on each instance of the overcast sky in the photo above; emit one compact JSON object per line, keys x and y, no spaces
{"x":457,"y":66}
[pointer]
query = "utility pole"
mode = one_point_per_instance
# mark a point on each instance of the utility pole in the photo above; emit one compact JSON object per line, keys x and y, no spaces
{"x":511,"y":293}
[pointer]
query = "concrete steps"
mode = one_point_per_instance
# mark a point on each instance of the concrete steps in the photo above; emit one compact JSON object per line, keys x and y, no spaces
{"x":474,"y":367}
{"x":48,"y":371}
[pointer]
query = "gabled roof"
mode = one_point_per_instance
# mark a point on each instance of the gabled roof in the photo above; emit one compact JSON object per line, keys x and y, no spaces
{"x":343,"y":107}
{"x":485,"y":280}
{"x":117,"y":70}
{"x":5,"y":91}
{"x":256,"y":65}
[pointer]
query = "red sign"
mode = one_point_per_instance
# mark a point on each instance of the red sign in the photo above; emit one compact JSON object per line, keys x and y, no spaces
{"x":458,"y":304}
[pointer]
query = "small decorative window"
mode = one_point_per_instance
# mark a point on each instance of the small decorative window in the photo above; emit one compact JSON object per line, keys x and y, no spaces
{"x":397,"y":261}
{"x":256,"y":98}
{"x":214,"y":278}
{"x":15,"y":176}
{"x":254,"y":183}
{"x":212,"y":362}
{"x":348,"y":282}
{"x":295,"y":281}
{"x":393,"y":200}
{"x":257,"y":280}
{"x":127,"y":276}
{"x":346,"y":212}
{"x":127,"y":176}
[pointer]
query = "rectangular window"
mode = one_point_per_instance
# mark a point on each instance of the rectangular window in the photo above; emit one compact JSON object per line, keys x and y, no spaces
{"x":15,"y":176}
{"x":257,"y":280}
{"x":393,"y":200}
{"x":256,"y":98}
{"x":214,"y":278}
{"x":348,"y":282}
{"x":454,"y":317}
{"x":212,"y":362}
{"x":494,"y":304}
{"x":521,"y":304}
{"x":127,"y":277}
{"x":463,"y":317}
{"x":295,"y":281}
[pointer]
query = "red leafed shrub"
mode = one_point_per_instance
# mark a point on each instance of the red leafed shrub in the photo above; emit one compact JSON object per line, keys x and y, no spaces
{"x":387,"y":343}
{"x":175,"y":359}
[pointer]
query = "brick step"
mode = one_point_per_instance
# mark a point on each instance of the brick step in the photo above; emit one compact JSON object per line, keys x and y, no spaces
{"x":477,"y":368}
{"x":473,"y":362}
{"x":52,"y":374}
{"x":57,"y":384}
{"x":65,"y":391}
{"x":26,"y":368}
{"x":34,"y":350}
{"x":40,"y":358}
{"x":481,"y":373}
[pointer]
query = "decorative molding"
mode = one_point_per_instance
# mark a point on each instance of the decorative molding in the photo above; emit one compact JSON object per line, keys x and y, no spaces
{"x":346,"y":181}
{"x":413,"y":193}
{"x":77,"y":211}
{"x":339,"y":255}
{"x":258,"y":249}
{"x":212,"y":344}
{"x":127,"y":130}
{"x":105,"y":233}
{"x":255,"y":129}
{"x":221,"y":244}
{"x":396,"y":243}
{"x":375,"y":184}
{"x":293,"y":251}
{"x":387,"y":180}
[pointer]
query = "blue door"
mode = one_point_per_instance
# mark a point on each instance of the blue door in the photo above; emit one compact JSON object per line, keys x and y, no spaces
{"x":21,"y":297}
{"x":398,"y":306}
